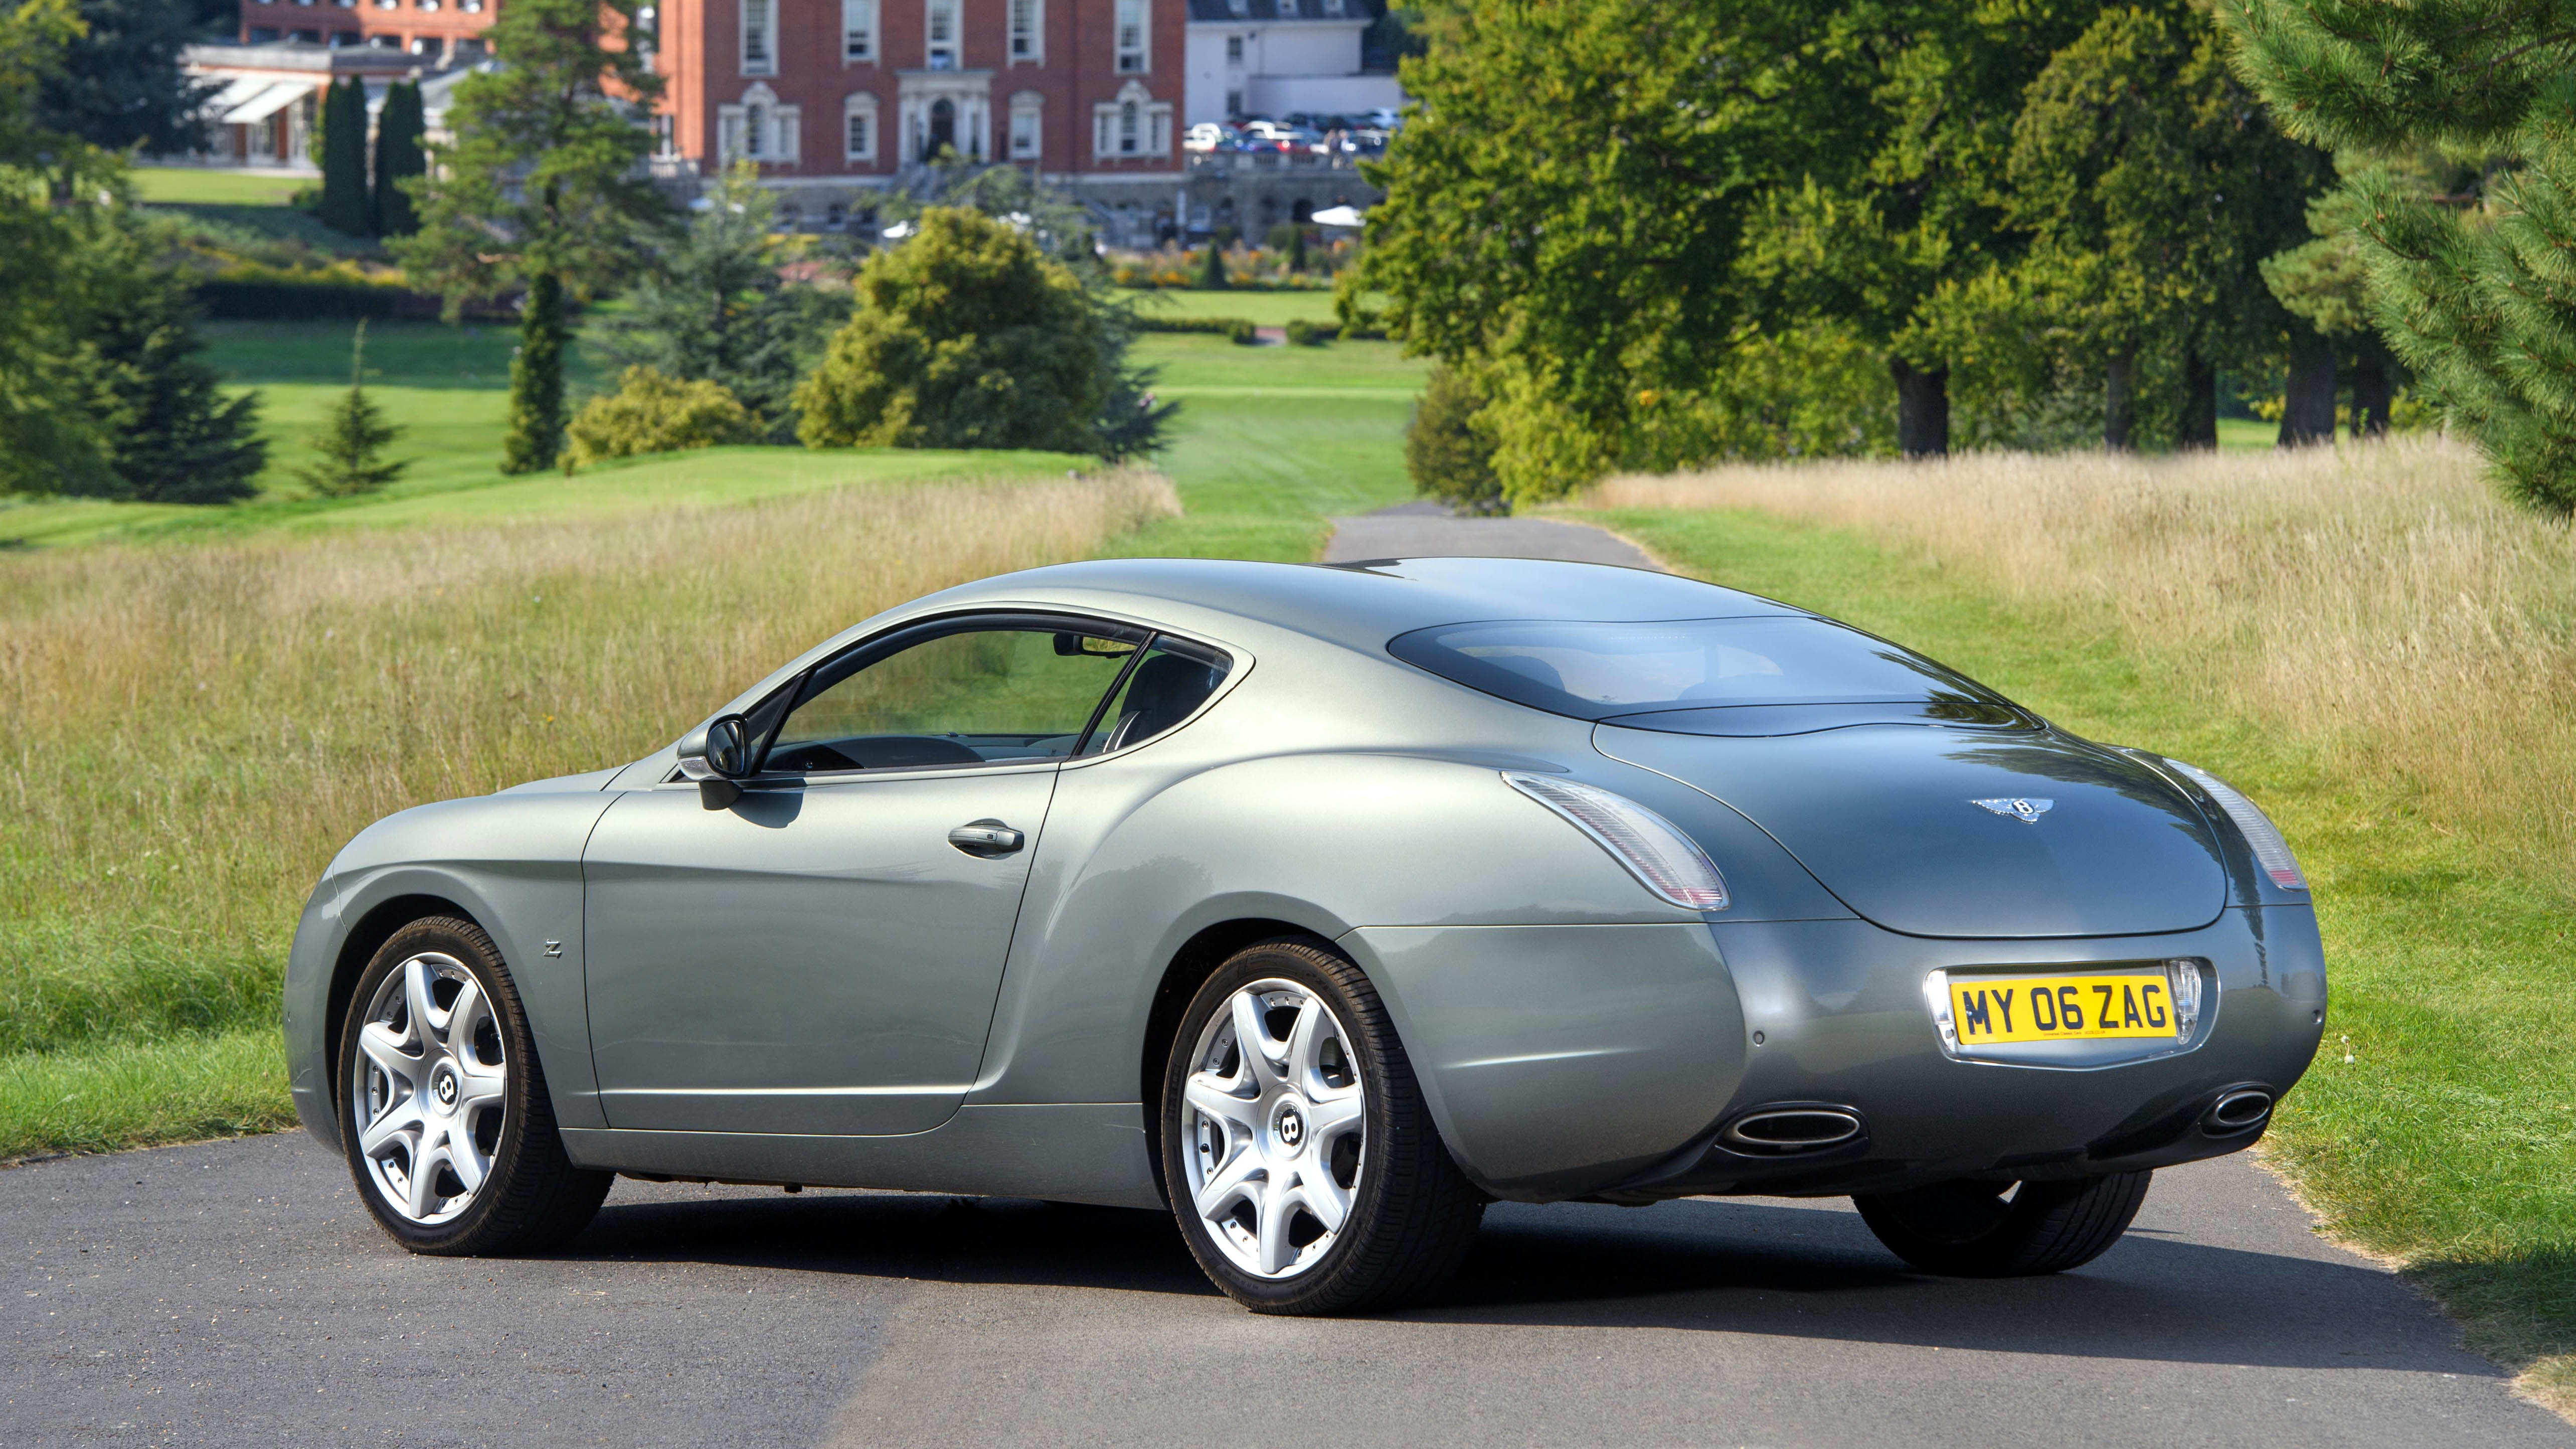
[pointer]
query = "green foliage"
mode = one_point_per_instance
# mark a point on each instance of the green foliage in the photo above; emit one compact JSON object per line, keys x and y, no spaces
{"x":653,"y":412}
{"x":401,"y":127}
{"x":344,"y":157}
{"x":1212,"y":276}
{"x":970,"y":336}
{"x":543,"y":182}
{"x":2469,"y":285}
{"x":121,"y":84}
{"x":1241,"y":332}
{"x":1302,"y":333}
{"x":353,"y":437}
{"x":1449,"y":448}
{"x":52,"y":436}
{"x":535,"y":434}
{"x":716,"y":303}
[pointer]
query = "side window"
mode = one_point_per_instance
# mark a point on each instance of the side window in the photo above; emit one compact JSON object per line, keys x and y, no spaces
{"x":1173,"y":679}
{"x":968,"y":696}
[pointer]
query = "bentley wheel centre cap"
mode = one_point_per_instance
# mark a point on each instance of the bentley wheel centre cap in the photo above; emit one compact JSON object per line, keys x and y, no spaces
{"x":445,"y":1089}
{"x":1292,"y":1127}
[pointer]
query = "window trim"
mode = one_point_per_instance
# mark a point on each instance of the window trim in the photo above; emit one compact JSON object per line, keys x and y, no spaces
{"x":768,"y":9}
{"x":956,"y":45}
{"x":1144,"y":49}
{"x":873,"y":12}
{"x":854,"y":105}
{"x":1036,"y":35}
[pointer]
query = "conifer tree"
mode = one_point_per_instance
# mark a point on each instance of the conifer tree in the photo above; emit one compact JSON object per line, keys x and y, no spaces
{"x":543,"y":184}
{"x":1212,"y":270}
{"x":344,"y":157}
{"x":400,"y":126}
{"x":2468,"y":289}
{"x":353,"y":437}
{"x":173,"y":435}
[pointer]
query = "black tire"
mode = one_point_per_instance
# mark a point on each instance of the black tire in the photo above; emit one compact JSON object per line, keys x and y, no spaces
{"x":1413,"y":1215}
{"x":533,"y":1198}
{"x":1967,"y":1229}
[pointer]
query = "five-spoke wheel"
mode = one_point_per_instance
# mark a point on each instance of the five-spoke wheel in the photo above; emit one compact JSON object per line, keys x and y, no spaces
{"x":1298,"y":1152}
{"x":444,"y":1113}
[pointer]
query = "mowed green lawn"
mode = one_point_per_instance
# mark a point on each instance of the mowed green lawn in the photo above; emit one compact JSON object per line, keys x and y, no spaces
{"x":1267,"y":309}
{"x":217,"y":186}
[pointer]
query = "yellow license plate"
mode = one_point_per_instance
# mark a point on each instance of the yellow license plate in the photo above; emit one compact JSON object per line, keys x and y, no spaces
{"x":1991,"y":1009}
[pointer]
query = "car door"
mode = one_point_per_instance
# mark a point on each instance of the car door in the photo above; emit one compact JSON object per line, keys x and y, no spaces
{"x":821,"y":955}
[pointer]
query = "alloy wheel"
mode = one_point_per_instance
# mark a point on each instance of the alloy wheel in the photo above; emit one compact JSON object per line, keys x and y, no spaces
{"x":1275,"y":1121}
{"x":428,"y":1088}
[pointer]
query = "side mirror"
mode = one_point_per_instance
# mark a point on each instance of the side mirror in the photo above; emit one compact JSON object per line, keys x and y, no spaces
{"x":716,"y":757}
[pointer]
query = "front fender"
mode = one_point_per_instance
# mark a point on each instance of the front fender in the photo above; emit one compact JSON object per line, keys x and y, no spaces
{"x":512,"y":863}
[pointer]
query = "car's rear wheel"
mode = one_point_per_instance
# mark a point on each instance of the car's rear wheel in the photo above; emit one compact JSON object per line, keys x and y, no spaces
{"x":443,"y":1109}
{"x":1299,"y":1155}
{"x":1971,"y":1229}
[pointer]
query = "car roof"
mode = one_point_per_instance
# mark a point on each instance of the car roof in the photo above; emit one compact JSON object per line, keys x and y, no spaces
{"x":1365,"y":604}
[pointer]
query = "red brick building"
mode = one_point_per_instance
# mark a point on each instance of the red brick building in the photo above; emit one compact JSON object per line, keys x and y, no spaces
{"x":836,"y":99}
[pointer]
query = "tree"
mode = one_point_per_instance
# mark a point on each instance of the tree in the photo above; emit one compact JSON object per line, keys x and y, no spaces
{"x":344,"y":157}
{"x":966,"y":336}
{"x":1567,"y":208}
{"x":174,"y":437}
{"x":120,"y":84}
{"x":353,"y":437}
{"x":2325,"y":283}
{"x":716,"y":304}
{"x":400,"y":126}
{"x":2470,"y":288}
{"x":54,"y":432}
{"x":1212,"y":276}
{"x":2151,"y":185}
{"x":1448,"y":449}
{"x":543,"y":184}
{"x":652,"y":412}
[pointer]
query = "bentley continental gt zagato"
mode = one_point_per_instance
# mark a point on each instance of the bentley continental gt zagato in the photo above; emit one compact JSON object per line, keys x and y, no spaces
{"x":1320,"y":906}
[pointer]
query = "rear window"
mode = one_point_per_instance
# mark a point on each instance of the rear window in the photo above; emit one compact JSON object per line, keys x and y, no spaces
{"x":1601,"y":671}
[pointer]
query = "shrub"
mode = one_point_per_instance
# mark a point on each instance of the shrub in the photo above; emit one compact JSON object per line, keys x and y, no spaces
{"x":1302,"y":333}
{"x":1449,"y":447}
{"x":1241,"y":332}
{"x":652,"y":412}
{"x":352,"y":441}
{"x":1212,"y":276}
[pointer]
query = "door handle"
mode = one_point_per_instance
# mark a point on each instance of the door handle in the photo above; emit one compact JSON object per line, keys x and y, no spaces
{"x":988,"y":838}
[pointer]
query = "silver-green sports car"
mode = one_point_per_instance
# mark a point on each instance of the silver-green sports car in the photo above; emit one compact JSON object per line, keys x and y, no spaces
{"x":1324,"y":904}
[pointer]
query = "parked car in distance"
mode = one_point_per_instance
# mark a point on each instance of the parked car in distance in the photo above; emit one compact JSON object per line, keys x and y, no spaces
{"x":1207,"y":136}
{"x":1320,"y":906}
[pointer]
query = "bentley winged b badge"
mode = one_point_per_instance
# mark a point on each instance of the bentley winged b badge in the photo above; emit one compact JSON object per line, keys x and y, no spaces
{"x":2026,"y":811}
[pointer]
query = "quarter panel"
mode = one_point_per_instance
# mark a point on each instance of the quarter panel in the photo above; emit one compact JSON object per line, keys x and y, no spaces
{"x":1560,"y":1057}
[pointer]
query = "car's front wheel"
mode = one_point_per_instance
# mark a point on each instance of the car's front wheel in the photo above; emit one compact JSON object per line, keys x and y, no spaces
{"x":1299,"y":1155}
{"x":1972,"y":1229}
{"x":443,"y":1110}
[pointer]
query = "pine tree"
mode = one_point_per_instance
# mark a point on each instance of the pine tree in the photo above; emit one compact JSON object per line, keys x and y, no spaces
{"x":536,"y":435}
{"x":344,"y":157}
{"x":400,"y":126}
{"x":2470,"y":290}
{"x":542,"y":183}
{"x":1212,"y":270}
{"x":173,"y":435}
{"x":353,"y":437}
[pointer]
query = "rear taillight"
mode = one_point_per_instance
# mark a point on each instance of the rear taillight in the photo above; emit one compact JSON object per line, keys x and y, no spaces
{"x":1662,"y":859}
{"x":2270,"y":850}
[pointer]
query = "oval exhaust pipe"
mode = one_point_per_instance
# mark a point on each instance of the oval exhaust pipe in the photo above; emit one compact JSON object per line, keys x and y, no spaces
{"x":1776,"y":1130}
{"x":2237,"y":1111}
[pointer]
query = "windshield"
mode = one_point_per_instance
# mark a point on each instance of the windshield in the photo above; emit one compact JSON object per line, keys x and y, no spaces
{"x":1599,"y":671}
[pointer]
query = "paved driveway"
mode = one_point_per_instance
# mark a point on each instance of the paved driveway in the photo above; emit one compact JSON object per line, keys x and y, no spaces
{"x":236,"y":1294}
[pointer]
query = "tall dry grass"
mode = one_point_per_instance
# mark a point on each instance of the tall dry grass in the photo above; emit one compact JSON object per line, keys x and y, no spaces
{"x":2378,"y":599}
{"x":192,"y":731}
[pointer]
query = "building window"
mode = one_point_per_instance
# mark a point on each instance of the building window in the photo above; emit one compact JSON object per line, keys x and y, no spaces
{"x":859,"y":128}
{"x":1234,"y":50}
{"x":1233,"y":104}
{"x":858,"y":30}
{"x":1028,"y":30}
{"x":759,"y":36}
{"x":1239,"y":7}
{"x":1333,"y":8}
{"x":1027,"y":109}
{"x":1133,"y":126}
{"x":835,"y":216}
{"x":1288,"y":9}
{"x":759,"y":129}
{"x":1135,"y":18}
{"x":941,"y":32}
{"x":665,"y":142}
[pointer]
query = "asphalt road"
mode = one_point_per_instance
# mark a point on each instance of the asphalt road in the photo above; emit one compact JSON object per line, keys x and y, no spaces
{"x":235,"y":1293}
{"x":1426,"y":530}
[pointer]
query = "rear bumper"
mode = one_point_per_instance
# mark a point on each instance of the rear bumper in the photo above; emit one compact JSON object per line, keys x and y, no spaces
{"x":1565,"y":1061}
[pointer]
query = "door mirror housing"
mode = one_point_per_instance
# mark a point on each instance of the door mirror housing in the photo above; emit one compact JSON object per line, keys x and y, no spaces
{"x":716,"y":757}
